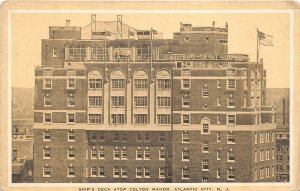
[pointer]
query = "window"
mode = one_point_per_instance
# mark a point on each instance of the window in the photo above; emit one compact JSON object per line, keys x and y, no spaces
{"x":46,"y":153}
{"x":185,"y":119}
{"x":273,"y":170}
{"x":205,"y":147}
{"x":255,"y":156}
{"x":47,"y":136}
{"x":118,"y":83}
{"x":205,"y":91}
{"x":218,"y":101}
{"x":164,"y":101}
{"x":218,"y":120}
{"x":139,"y":172}
{"x":185,"y":137}
{"x":185,"y":173}
{"x":164,"y":119}
{"x":46,"y":171}
{"x":77,"y":53}
{"x":261,"y":137}
{"x":94,"y":171}
{"x":185,"y":155}
{"x":123,"y":172}
{"x":204,"y":180}
{"x":164,"y":84}
{"x":124,"y":154}
{"x":267,"y":154}
{"x":15,"y":155}
{"x":118,"y":118}
{"x":95,"y":118}
{"x":230,"y":156}
{"x":231,"y":72}
{"x":146,"y":172}
{"x":267,"y":137}
{"x":101,"y":153}
{"x":47,"y":83}
{"x":139,"y":137}
{"x":218,"y":173}
{"x":47,"y":72}
{"x":218,"y":83}
{"x":162,"y":172}
{"x":267,"y":172}
{"x":245,"y":101}
{"x":261,"y":173}
{"x":218,"y":137}
{"x":140,"y":118}
{"x":218,"y":155}
{"x":231,"y":101}
{"x":71,"y":83}
{"x":140,"y":84}
{"x":279,"y":167}
{"x":95,"y":83}
{"x":147,"y":137}
{"x":116,"y":137}
{"x":71,"y":136}
{"x":185,"y":101}
{"x":116,"y":172}
{"x":95,"y":101}
{"x":71,"y":153}
{"x":255,"y":174}
{"x":230,"y":174}
{"x":47,"y":101}
{"x":231,"y":119}
{"x":117,"y":101}
{"x":139,"y":155}
{"x":205,"y":165}
{"x":230,"y":138}
{"x":147,"y":154}
{"x":255,"y":138}
{"x":140,"y":101}
{"x":279,"y":157}
{"x":71,"y":101}
{"x":185,"y":84}
{"x":261,"y":155}
{"x":162,"y":154}
{"x":205,"y":128}
{"x":71,"y":72}
{"x":162,"y":137}
{"x":185,"y":72}
{"x":47,"y":118}
{"x":273,"y":153}
{"x":71,"y":171}
{"x":116,"y":154}
{"x":245,"y":84}
{"x":93,"y":153}
{"x":231,"y":84}
{"x":71,"y":118}
{"x":124,"y":137}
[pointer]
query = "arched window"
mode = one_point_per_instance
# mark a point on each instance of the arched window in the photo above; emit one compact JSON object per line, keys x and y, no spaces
{"x":140,"y":78}
{"x":163,"y":80}
{"x":117,"y":79}
{"x":95,"y":79}
{"x":205,"y":125}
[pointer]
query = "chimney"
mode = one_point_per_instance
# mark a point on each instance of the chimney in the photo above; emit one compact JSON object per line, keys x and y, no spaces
{"x":67,"y":23}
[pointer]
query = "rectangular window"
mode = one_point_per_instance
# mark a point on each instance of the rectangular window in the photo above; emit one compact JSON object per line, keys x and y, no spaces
{"x":185,"y":119}
{"x":185,"y":101}
{"x":118,"y":118}
{"x":205,"y":147}
{"x":218,"y":137}
{"x":71,"y":136}
{"x":71,"y":171}
{"x":205,"y":92}
{"x":267,"y":172}
{"x":140,"y":118}
{"x":204,"y":180}
{"x":139,"y":137}
{"x":218,"y":83}
{"x":185,"y":173}
{"x":139,"y":155}
{"x":47,"y":117}
{"x":140,"y":101}
{"x":147,"y":137}
{"x":231,"y":102}
{"x":255,"y":156}
{"x":185,"y":84}
{"x":267,"y":154}
{"x":164,"y":84}
{"x":218,"y":155}
{"x":47,"y":83}
{"x":205,"y":166}
{"x":185,"y":72}
{"x":95,"y":83}
{"x":71,"y":83}
{"x":71,"y":101}
{"x":255,"y":138}
{"x":95,"y":101}
{"x":162,"y":154}
{"x":71,"y":118}
{"x":185,"y":155}
{"x":71,"y":153}
{"x":116,"y":172}
{"x":164,"y":119}
{"x":71,"y":72}
{"x":231,"y":72}
{"x":230,"y":156}
{"x":218,"y":101}
{"x":123,"y":172}
{"x":46,"y":171}
{"x":185,"y":137}
{"x":47,"y":101}
{"x":101,"y":154}
{"x":124,"y":154}
{"x":47,"y":72}
{"x":231,"y":84}
{"x":139,"y":172}
{"x":95,"y":118}
{"x":230,"y":138}
{"x":261,"y":155}
{"x":245,"y":84}
{"x":205,"y":128}
{"x":140,"y":84}
{"x":218,"y":120}
{"x":47,"y":136}
{"x":218,"y":173}
{"x":118,"y":83}
{"x":118,"y":101}
{"x":116,"y":154}
{"x":231,"y":174}
{"x":146,"y":172}
{"x":162,"y":172}
{"x":116,"y":137}
{"x":77,"y":53}
{"x":261,"y":173}
{"x":94,"y":171}
{"x":231,"y":119}
{"x":261,"y":137}
{"x":93,"y":153}
{"x":162,"y":137}
{"x":46,"y":153}
{"x":164,"y":101}
{"x":147,"y":154}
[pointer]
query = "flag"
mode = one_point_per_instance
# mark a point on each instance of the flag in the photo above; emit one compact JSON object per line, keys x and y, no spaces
{"x":130,"y":33}
{"x":265,"y":39}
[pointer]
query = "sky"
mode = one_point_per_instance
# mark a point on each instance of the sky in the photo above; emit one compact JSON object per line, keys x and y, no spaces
{"x":28,"y":30}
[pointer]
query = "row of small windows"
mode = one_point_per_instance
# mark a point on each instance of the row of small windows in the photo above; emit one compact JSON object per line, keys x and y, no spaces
{"x":185,"y":172}
{"x":117,"y":137}
{"x":264,"y":173}
{"x":230,"y":139}
{"x":264,"y":137}
{"x":231,"y":120}
{"x":186,"y":156}
{"x":280,"y":157}
{"x":230,"y":101}
{"x":231,"y":84}
{"x":264,"y":155}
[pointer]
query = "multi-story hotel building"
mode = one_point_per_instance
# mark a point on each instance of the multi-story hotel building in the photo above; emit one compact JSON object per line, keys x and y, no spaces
{"x":117,"y":104}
